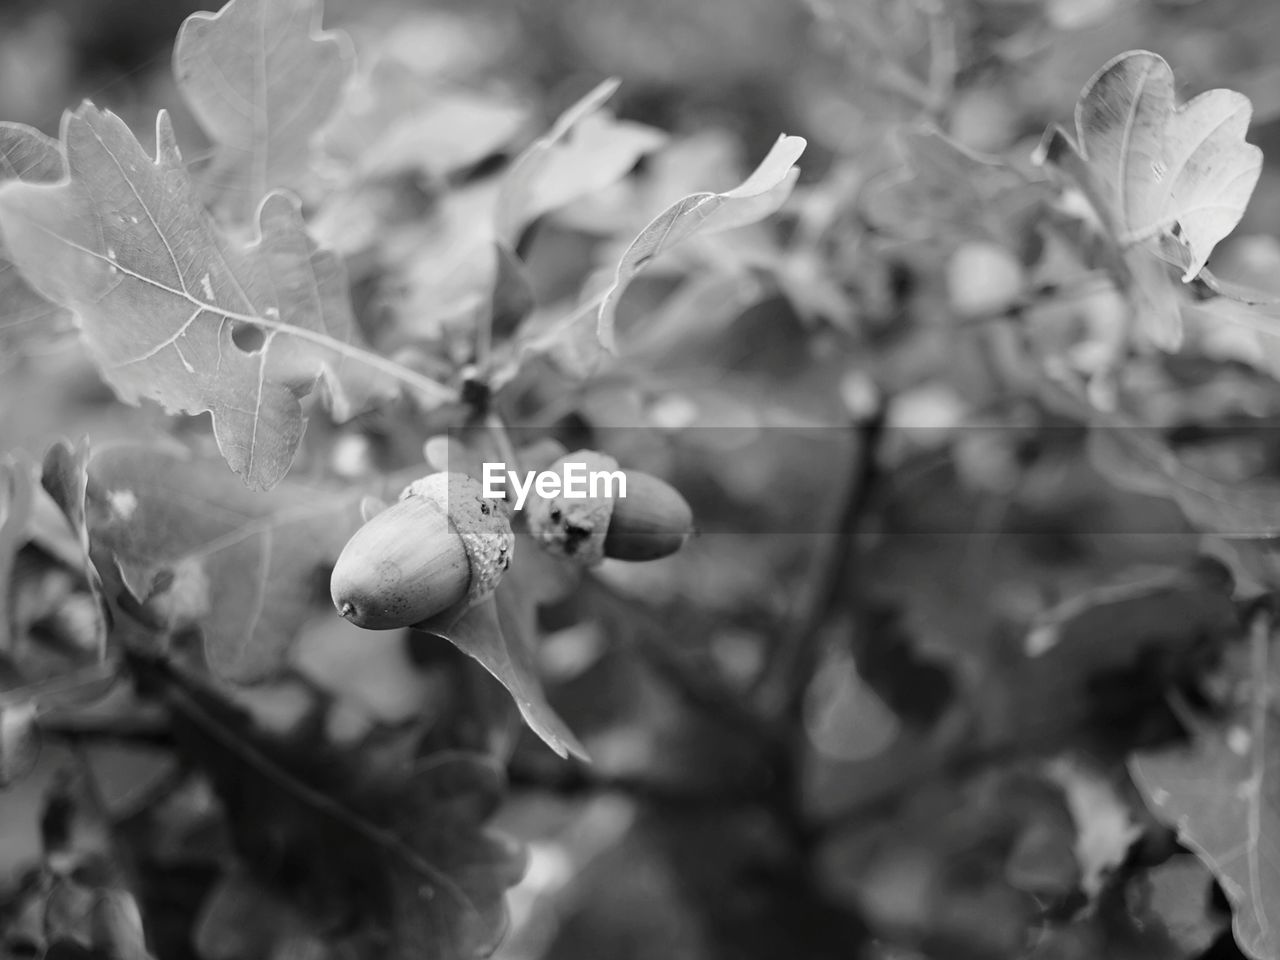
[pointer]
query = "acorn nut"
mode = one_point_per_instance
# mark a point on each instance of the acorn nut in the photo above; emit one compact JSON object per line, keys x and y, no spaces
{"x":440,"y":549}
{"x":651,"y":521}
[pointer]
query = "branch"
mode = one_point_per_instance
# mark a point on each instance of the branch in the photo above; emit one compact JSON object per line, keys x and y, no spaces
{"x":786,"y":676}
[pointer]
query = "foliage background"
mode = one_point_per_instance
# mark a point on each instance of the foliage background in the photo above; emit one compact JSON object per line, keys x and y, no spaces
{"x":816,"y":732}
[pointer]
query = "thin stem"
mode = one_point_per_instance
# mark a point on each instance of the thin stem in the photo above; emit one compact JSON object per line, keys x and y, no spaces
{"x":502,"y":441}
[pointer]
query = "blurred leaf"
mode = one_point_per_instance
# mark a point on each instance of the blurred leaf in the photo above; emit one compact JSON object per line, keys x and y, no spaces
{"x":1160,"y":914}
{"x":584,"y":151}
{"x":65,"y":477}
{"x":917,"y":686}
{"x":760,"y":195}
{"x":30,"y":156}
{"x":1173,"y":179}
{"x":956,"y":872}
{"x":1178,"y":895}
{"x":1245,"y":306}
{"x":946,"y":190}
{"x":243,"y":920}
{"x":513,"y":297}
{"x":394,"y":119}
{"x":19,"y":739}
{"x":370,"y":668}
{"x":125,"y":244}
{"x":1135,"y":458}
{"x":1153,"y":296}
{"x":1107,"y":659}
{"x":1105,"y":828}
{"x":198,"y":549}
{"x":117,"y":926}
{"x":392,"y":863}
{"x":262,"y":79}
{"x":16,"y":497}
{"x":1222,"y":793}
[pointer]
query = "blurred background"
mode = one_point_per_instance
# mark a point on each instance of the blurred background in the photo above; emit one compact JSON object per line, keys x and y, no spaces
{"x":831,"y":339}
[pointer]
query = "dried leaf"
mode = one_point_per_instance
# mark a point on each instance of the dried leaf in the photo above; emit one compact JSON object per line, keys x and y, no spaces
{"x":760,"y":195}
{"x":175,"y":311}
{"x":1223,"y":795}
{"x":262,"y":79}
{"x":1174,"y":179}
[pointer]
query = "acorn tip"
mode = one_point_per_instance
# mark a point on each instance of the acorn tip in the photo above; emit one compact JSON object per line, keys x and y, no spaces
{"x":347,"y":610}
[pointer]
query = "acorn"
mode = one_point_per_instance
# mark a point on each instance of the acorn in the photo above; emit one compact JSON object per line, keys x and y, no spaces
{"x":651,"y":521}
{"x":439,"y":550}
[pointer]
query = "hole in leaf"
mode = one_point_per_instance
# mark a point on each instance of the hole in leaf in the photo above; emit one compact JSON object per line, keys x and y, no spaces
{"x":247,"y":337}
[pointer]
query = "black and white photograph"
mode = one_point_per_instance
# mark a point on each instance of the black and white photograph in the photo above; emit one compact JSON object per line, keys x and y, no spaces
{"x":640,"y":480}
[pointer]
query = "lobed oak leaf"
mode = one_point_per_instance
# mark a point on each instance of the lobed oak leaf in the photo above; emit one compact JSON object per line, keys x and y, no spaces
{"x":1222,"y":793}
{"x":1168,"y":180}
{"x":28,"y":155}
{"x":196,"y":549}
{"x":262,"y":79}
{"x":175,"y":311}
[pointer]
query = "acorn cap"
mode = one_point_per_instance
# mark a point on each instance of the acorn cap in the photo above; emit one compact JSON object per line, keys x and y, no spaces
{"x":573,"y":528}
{"x":651,"y":521}
{"x":441,"y":548}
